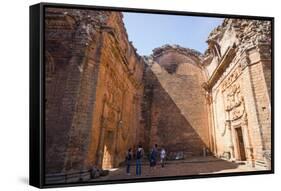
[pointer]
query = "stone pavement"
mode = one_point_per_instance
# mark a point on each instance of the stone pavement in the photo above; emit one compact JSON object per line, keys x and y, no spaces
{"x":192,"y":166}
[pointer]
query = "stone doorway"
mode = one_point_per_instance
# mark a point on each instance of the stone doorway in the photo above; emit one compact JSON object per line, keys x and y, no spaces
{"x":108,"y":151}
{"x":240,"y":144}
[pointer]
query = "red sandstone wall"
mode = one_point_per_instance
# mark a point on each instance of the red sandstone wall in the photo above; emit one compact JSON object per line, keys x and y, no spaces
{"x":65,"y":51}
{"x":93,"y":83}
{"x":176,"y":116}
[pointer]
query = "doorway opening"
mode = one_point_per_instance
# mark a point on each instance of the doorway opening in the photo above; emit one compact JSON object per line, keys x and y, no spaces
{"x":108,"y":151}
{"x":240,"y":144}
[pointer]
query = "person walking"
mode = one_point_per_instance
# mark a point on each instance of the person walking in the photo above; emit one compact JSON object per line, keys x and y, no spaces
{"x":128,"y":161}
{"x":162,"y":157}
{"x":153,"y":157}
{"x":139,"y":155}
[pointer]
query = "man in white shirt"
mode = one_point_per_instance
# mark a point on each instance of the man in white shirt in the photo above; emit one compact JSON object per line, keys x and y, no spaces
{"x":162,"y":156}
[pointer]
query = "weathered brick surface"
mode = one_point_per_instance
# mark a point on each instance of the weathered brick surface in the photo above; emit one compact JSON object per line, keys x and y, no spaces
{"x":62,"y":84}
{"x":176,"y":111}
{"x":93,"y":90}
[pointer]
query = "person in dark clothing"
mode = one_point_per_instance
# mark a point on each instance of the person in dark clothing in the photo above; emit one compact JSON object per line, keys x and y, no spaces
{"x":128,"y":160}
{"x":139,"y":154}
{"x":153,"y":156}
{"x":134,"y":153}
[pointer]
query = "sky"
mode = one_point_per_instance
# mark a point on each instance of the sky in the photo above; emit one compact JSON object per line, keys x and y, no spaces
{"x":149,"y":31}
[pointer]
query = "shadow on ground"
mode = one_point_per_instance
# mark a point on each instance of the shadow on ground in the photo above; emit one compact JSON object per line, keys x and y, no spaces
{"x":194,"y":166}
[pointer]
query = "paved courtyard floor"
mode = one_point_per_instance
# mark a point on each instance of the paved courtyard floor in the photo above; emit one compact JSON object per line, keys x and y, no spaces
{"x":192,"y":166}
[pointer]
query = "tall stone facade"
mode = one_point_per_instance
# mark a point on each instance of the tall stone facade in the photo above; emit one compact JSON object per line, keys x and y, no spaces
{"x":102,"y":98}
{"x":238,"y":64}
{"x":93,"y":90}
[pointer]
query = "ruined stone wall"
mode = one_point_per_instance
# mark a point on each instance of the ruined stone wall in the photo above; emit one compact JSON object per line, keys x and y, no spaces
{"x":240,"y":86}
{"x":65,"y":55}
{"x":176,"y":114}
{"x":119,"y":91}
{"x":93,"y":90}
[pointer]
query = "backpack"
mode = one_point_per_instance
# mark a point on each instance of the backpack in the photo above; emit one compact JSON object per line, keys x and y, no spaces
{"x":153,"y":154}
{"x":128,"y":157}
{"x":138,"y":154}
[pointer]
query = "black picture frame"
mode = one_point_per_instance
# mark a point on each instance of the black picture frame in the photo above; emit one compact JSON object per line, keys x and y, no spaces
{"x":37,"y":94}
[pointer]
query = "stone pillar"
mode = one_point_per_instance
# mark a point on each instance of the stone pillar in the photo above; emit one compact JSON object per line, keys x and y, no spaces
{"x":248,"y":142}
{"x":251,"y":105}
{"x":215,"y":123}
{"x":234,"y":143}
{"x":210,"y":129}
{"x":210,"y":109}
{"x":230,"y":138}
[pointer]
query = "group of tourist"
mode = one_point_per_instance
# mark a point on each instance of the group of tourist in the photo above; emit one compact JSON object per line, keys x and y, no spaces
{"x":138,"y":154}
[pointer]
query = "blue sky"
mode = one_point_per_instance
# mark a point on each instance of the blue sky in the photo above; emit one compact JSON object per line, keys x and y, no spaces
{"x":149,"y":31}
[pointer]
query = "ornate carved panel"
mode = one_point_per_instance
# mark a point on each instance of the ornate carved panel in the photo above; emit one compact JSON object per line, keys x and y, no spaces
{"x":234,"y":102}
{"x":232,"y":77}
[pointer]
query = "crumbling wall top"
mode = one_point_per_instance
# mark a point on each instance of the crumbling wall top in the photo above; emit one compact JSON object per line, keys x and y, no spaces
{"x":248,"y":32}
{"x":167,"y":47}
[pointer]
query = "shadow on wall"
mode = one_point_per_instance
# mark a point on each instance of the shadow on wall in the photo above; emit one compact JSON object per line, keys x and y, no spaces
{"x":166,"y":125}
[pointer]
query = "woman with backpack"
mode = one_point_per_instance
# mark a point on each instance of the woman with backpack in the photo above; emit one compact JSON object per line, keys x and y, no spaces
{"x":128,"y":160}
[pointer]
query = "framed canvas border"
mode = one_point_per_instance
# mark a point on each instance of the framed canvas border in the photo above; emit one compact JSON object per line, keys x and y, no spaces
{"x":37,"y":94}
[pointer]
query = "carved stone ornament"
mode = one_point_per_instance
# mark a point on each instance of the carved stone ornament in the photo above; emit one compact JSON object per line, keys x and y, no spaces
{"x":234,"y":103}
{"x":232,"y":77}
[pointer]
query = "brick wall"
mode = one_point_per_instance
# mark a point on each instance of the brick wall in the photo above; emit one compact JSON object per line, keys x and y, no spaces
{"x":176,"y":115}
{"x":93,"y":90}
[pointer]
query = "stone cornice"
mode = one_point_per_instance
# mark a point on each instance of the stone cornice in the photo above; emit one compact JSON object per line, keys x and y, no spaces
{"x":223,"y":64}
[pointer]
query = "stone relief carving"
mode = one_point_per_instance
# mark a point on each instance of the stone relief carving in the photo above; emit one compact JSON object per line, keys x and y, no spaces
{"x":234,"y":102}
{"x":232,"y":77}
{"x":114,"y":102}
{"x":236,"y":115}
{"x":113,"y":91}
